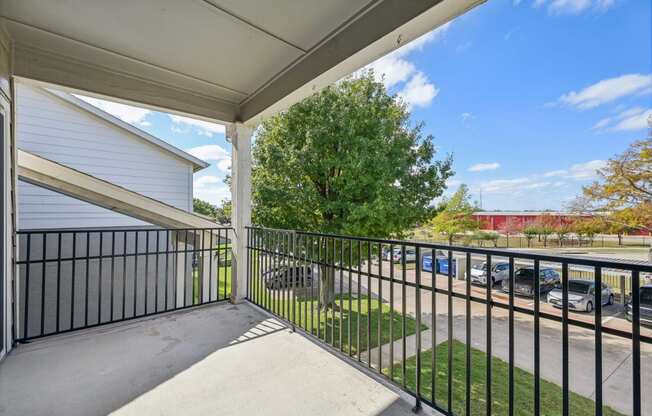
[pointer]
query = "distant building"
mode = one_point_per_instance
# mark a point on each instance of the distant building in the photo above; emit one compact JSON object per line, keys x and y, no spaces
{"x":518,"y":220}
{"x":498,"y":220}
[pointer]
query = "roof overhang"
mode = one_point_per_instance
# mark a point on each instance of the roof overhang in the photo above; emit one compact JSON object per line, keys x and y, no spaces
{"x":223,"y":60}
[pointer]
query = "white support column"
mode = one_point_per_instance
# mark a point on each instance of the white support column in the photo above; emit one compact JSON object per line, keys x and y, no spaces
{"x":240,"y":137}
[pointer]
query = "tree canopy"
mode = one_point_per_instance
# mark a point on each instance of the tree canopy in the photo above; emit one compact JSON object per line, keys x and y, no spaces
{"x":346,"y":160}
{"x":624,"y":190}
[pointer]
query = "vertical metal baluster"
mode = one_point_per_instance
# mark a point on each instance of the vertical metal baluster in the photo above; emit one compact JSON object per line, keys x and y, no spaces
{"x":228,"y":249}
{"x":219,"y":245}
{"x":636,"y":343}
{"x":248,"y":248}
{"x":175,"y":277}
{"x":348,"y":315}
{"x":146,"y":271}
{"x":185,"y":268}
{"x":433,"y":326}
{"x":112,"y":273}
{"x":511,"y":335}
{"x":135,"y":311}
{"x":28,"y":266}
{"x":275,"y":293}
{"x":332,"y":261}
{"x":99,"y":280}
{"x":319,"y":288}
{"x":391,"y":312}
{"x":488,"y":399}
{"x":210,"y":268}
{"x":156,"y":277}
{"x":312,"y":286}
{"x":45,"y":238}
{"x":564,"y":328}
{"x":124,"y":273}
{"x":537,"y":342}
{"x":72,"y":284}
{"x":341,"y":291}
{"x":468,"y":335}
{"x":88,"y":238}
{"x":417,"y":301}
{"x":598,"y":340}
{"x":403,"y":318}
{"x":380,"y":307}
{"x":358,"y":298}
{"x":450,"y":331}
{"x":268,"y":272}
{"x":293,"y":247}
{"x":167,"y":268}
{"x":369,"y":304}
{"x":58,"y":281}
{"x":193,"y":278}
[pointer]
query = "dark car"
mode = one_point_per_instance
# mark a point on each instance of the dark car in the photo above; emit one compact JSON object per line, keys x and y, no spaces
{"x":645,"y":296}
{"x":524,"y":281}
{"x":286,"y":277}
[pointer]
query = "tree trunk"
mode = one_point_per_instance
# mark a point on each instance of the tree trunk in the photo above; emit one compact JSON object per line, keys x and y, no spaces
{"x":326,"y":286}
{"x":620,"y":239}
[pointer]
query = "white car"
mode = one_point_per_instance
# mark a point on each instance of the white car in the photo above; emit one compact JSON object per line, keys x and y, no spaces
{"x":396,"y":255}
{"x":499,"y":272}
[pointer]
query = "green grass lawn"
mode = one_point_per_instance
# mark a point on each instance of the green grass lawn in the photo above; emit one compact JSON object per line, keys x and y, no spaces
{"x":223,"y":280}
{"x":551,"y":394}
{"x":369,"y":311}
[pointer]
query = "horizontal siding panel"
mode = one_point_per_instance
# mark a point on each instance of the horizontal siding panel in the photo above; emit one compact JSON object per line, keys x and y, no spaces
{"x":59,"y":131}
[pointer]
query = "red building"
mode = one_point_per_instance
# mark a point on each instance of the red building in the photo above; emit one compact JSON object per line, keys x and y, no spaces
{"x":515,"y":221}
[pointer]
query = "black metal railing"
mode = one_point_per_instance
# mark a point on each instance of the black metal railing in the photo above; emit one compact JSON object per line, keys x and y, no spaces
{"x":70,"y":279}
{"x":409,"y":311}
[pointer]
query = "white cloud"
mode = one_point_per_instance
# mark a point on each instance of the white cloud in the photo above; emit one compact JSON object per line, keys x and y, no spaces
{"x":505,"y":186}
{"x":574,"y":6}
{"x":211,"y":189}
{"x":480,"y":167}
{"x":202,"y":181}
{"x":127,"y":113}
{"x":635,"y":118}
{"x":608,"y":90}
{"x":203,"y":127}
{"x":638,"y":121}
{"x":213,"y":152}
{"x":579,"y":171}
{"x":467,"y":117}
{"x":418,"y":92}
{"x":394,"y":68}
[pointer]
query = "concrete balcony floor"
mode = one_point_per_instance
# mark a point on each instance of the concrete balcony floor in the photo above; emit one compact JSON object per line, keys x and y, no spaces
{"x":219,"y":359}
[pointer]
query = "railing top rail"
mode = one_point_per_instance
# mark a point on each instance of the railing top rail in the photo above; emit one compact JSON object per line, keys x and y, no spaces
{"x":575,"y":260}
{"x":117,"y":230}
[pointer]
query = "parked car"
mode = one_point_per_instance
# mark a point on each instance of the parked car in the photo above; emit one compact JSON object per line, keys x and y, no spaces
{"x":645,"y":301}
{"x":524,"y":281}
{"x":581,"y":295}
{"x":499,"y":272}
{"x":410,"y":255}
{"x":288,"y":277}
{"x":441,"y":264}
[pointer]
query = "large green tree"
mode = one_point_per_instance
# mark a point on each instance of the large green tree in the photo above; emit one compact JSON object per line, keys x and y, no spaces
{"x":345,"y":160}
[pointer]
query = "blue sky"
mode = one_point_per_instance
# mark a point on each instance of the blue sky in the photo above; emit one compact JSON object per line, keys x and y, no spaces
{"x":530,"y":97}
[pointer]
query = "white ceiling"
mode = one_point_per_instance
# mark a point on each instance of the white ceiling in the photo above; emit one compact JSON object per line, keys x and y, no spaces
{"x":224,"y":51}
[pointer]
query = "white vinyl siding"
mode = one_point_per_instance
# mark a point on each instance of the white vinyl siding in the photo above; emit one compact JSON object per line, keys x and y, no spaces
{"x":62,"y":132}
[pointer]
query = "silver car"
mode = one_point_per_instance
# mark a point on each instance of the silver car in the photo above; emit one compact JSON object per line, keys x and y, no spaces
{"x":581,"y":295}
{"x":499,"y":272}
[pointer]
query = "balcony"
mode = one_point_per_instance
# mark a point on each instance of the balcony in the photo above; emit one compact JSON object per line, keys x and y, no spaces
{"x":214,"y":359}
{"x":136,"y":322}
